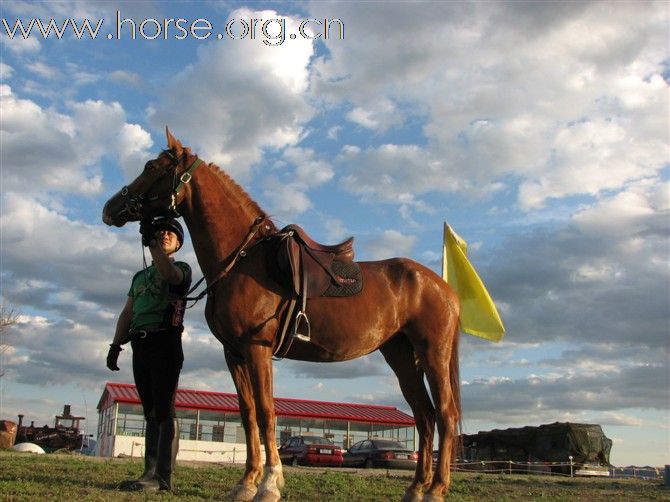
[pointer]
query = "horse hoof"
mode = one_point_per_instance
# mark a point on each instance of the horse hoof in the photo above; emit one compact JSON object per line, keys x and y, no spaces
{"x":267,"y":496}
{"x":411,"y":496}
{"x":242,"y":493}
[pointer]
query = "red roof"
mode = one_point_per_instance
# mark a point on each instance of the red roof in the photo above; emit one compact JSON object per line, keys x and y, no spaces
{"x":219,"y":401}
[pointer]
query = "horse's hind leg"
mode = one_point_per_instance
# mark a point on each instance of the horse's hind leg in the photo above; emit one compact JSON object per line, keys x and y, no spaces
{"x":399,"y":354}
{"x":245,"y":489}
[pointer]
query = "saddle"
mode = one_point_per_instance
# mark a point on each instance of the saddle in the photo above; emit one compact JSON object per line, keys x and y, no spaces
{"x":310,"y":270}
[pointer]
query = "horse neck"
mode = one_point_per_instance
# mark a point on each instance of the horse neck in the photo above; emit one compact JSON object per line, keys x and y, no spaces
{"x":219,"y":215}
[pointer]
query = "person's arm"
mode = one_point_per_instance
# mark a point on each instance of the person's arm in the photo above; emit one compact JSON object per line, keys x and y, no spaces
{"x":120,"y":335}
{"x":165,"y":266}
{"x":123,"y":323}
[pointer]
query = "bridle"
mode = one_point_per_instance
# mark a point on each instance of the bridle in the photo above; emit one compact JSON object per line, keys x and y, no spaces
{"x":132,"y":204}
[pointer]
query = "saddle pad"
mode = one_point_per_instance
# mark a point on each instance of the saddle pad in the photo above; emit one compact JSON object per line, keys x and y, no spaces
{"x":350,"y":280}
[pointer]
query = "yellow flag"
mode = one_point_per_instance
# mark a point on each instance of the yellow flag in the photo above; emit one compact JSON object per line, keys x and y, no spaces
{"x":479,"y":315}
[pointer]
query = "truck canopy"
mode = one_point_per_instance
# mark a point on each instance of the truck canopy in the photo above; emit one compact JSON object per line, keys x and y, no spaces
{"x":586,"y":443}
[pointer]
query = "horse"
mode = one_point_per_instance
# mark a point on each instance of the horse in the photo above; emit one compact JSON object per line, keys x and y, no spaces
{"x":405,"y":310}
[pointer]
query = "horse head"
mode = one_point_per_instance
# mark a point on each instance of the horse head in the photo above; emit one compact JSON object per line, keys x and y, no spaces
{"x":157,"y":191}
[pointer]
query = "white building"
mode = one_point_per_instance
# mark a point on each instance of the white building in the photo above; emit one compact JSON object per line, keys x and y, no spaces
{"x":210,"y":428}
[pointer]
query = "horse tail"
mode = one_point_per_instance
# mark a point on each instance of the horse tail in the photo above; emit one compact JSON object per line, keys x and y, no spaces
{"x":455,"y":379}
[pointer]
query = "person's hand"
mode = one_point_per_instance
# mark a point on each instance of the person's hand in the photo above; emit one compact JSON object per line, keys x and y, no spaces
{"x":148,"y":232}
{"x":113,"y":356}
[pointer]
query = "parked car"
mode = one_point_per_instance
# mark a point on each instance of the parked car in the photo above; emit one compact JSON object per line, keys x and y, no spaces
{"x":311,"y":450}
{"x":380,"y":453}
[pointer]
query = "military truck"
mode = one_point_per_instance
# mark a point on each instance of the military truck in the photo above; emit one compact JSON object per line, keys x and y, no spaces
{"x":568,"y":448}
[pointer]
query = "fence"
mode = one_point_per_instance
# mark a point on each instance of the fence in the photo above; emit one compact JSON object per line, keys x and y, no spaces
{"x":567,"y":469}
{"x":637,"y":472}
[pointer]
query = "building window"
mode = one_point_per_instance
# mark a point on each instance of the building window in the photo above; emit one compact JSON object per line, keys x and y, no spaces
{"x":129,"y":420}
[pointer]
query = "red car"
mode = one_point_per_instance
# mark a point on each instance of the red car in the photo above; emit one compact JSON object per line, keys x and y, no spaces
{"x":311,"y":450}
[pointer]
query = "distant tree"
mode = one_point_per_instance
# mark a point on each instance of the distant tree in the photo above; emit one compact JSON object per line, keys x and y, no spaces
{"x":8,"y":318}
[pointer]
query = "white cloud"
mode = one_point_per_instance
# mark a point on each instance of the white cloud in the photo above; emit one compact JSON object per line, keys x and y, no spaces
{"x":573,"y":111}
{"x":6,"y":71}
{"x":615,"y":418}
{"x":591,"y":157}
{"x":585,"y":397}
{"x":309,"y":170}
{"x":43,"y":149}
{"x":43,"y":69}
{"x":127,"y":78}
{"x":133,"y":144}
{"x":378,"y":116}
{"x":286,"y":200}
{"x":80,"y":288}
{"x":257,"y":102}
{"x":639,"y":208}
{"x":79,"y":255}
{"x":301,"y":170}
{"x":336,"y":229}
{"x":392,"y":172}
{"x":20,"y":45}
{"x":388,"y":244}
{"x":603,"y":277}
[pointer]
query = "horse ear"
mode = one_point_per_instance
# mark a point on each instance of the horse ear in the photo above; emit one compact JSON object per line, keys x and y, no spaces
{"x":172,"y":142}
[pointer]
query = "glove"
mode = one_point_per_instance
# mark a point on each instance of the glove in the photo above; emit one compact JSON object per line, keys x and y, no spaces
{"x":113,"y":356}
{"x":148,"y":232}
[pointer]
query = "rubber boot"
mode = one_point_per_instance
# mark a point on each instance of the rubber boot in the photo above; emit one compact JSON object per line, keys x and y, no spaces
{"x":150,"y":455}
{"x":168,"y":446}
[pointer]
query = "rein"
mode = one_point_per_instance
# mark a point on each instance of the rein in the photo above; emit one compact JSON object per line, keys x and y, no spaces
{"x":241,"y":253}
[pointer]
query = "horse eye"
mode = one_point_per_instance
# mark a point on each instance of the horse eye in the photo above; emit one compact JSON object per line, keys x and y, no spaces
{"x":148,"y":165}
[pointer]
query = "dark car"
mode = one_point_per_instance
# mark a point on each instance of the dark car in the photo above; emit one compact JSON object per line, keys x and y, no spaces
{"x":380,"y":453}
{"x":311,"y":450}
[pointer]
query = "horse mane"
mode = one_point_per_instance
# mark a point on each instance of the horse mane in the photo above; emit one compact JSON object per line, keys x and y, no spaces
{"x":246,"y":201}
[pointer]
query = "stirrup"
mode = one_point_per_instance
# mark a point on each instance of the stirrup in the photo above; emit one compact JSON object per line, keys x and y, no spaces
{"x":300,"y":336}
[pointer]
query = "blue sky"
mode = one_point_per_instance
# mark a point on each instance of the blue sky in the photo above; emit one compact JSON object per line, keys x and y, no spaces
{"x":538,"y":130}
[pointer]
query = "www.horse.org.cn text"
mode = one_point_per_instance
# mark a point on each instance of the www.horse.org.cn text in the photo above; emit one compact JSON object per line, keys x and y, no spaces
{"x":271,"y":32}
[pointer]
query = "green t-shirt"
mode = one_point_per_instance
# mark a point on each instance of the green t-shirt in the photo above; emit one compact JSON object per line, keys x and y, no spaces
{"x":153,"y":297}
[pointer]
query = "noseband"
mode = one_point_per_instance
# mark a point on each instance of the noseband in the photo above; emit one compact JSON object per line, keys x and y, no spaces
{"x":133,"y":203}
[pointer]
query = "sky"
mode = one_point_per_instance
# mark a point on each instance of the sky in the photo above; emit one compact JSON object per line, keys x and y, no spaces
{"x":538,"y":130}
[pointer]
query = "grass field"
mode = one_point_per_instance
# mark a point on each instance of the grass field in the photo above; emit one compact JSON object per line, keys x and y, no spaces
{"x":30,"y":477}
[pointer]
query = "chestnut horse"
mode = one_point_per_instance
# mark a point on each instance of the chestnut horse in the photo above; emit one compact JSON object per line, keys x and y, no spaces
{"x":405,"y":310}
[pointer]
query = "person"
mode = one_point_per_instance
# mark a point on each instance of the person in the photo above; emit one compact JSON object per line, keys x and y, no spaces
{"x":152,"y":320}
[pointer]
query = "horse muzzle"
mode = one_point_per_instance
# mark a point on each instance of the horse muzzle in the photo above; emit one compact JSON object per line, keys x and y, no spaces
{"x":122,"y":208}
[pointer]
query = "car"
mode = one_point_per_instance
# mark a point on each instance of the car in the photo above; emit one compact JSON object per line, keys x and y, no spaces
{"x":311,"y":450}
{"x":380,"y":453}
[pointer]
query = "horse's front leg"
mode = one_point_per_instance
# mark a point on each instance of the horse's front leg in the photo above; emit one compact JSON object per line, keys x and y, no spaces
{"x":260,"y":366}
{"x":245,"y":489}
